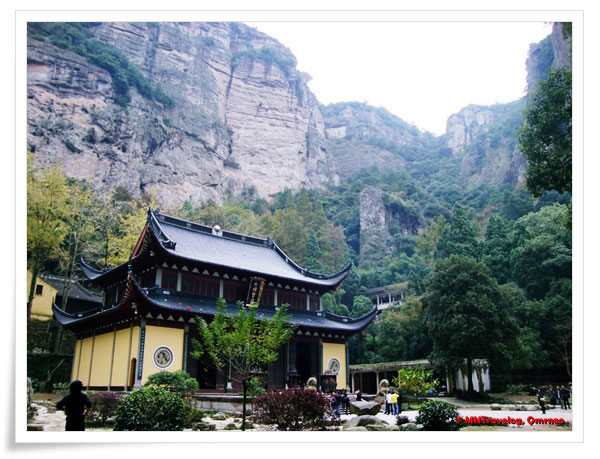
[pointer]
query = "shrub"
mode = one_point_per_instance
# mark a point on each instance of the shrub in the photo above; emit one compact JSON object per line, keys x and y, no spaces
{"x":104,"y":407}
{"x":294,"y":409}
{"x":178,"y":382}
{"x":515,"y":389}
{"x":401,"y":419}
{"x":192,"y":415}
{"x":32,"y":412}
{"x":150,"y":408}
{"x":35,"y":384}
{"x":60,"y":387}
{"x":255,"y":387}
{"x":438,"y":415}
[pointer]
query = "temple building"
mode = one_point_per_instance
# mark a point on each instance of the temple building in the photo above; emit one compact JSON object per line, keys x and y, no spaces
{"x":176,"y":272}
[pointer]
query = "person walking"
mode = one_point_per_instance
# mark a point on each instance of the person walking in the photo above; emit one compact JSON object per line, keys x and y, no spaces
{"x":541,"y":400}
{"x":335,"y":405}
{"x":564,"y":397}
{"x":76,"y":406}
{"x":552,"y":394}
{"x":394,"y":400}
{"x":345,"y":402}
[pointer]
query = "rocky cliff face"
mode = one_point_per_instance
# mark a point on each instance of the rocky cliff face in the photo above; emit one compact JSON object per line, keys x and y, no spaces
{"x":483,"y":139}
{"x":243,"y":116}
{"x":243,"y":120}
{"x":382,"y":216}
{"x":361,"y":136}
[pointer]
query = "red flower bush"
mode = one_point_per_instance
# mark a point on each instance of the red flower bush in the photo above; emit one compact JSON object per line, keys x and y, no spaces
{"x":294,"y":409}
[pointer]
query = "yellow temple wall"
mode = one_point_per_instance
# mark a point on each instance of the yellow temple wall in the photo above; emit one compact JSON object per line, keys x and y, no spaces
{"x":101,"y":359}
{"x":98,"y":353}
{"x":122,"y":360}
{"x":75,"y":366}
{"x":41,"y":306}
{"x":84,"y":361}
{"x":337,"y":350}
{"x":162,"y":336}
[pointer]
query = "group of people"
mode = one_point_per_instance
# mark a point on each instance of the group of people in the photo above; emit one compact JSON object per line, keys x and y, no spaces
{"x":393,"y":403}
{"x":556,"y":395}
{"x":340,"y":401}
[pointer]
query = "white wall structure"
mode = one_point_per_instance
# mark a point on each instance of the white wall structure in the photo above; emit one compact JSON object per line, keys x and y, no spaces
{"x":481,"y":377}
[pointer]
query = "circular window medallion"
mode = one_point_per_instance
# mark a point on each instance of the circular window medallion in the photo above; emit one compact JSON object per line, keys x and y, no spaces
{"x":333,"y":366}
{"x":163,"y":357}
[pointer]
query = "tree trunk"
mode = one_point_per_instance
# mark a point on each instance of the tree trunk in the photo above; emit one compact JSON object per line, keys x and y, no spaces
{"x":470,"y":375}
{"x":66,"y":288}
{"x":34,"y":274}
{"x":244,"y":392}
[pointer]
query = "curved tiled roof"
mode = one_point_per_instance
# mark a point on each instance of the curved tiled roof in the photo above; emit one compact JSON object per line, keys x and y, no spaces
{"x":193,"y":242}
{"x":188,"y":306}
{"x":232,"y":250}
{"x":76,"y":290}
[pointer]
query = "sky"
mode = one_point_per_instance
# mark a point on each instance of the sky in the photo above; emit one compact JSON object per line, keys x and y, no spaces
{"x":422,"y":72}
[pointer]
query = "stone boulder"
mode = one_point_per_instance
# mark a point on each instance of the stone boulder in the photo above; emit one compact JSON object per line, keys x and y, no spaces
{"x":378,"y":428}
{"x":357,"y":428}
{"x":364,"y":408}
{"x":204,"y":426}
{"x":495,"y":407}
{"x":362,"y":421}
{"x":219,"y":416}
{"x":411,"y":426}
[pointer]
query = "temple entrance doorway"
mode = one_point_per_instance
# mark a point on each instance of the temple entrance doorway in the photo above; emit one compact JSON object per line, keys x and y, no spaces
{"x":307,"y":361}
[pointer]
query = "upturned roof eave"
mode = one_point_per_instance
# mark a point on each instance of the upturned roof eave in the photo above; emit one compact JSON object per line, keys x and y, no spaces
{"x":134,"y":292}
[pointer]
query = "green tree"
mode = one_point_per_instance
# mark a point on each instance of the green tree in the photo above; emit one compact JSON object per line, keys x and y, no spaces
{"x":545,"y":137}
{"x":304,"y":208}
{"x":332,"y":303}
{"x":242,"y":341}
{"x":312,"y":259}
{"x":361,"y":306}
{"x":515,"y":204}
{"x":495,"y":249}
{"x":289,"y":233}
{"x":401,"y":333}
{"x":467,"y":315}
{"x":415,"y":380}
{"x":47,"y":195}
{"x":457,"y":237}
{"x":351,"y":285}
{"x":541,"y":250}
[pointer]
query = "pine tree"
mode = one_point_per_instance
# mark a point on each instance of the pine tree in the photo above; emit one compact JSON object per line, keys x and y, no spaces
{"x":312,"y":259}
{"x":304,"y":207}
{"x":495,"y":250}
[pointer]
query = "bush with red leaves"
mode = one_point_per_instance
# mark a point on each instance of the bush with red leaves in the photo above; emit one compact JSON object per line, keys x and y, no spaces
{"x":104,"y":407}
{"x":294,"y":409}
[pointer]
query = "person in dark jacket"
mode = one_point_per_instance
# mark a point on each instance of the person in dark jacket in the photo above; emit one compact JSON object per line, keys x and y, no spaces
{"x":541,"y":400}
{"x":564,"y":396}
{"x":358,"y":395}
{"x":76,"y":406}
{"x":335,"y":401}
